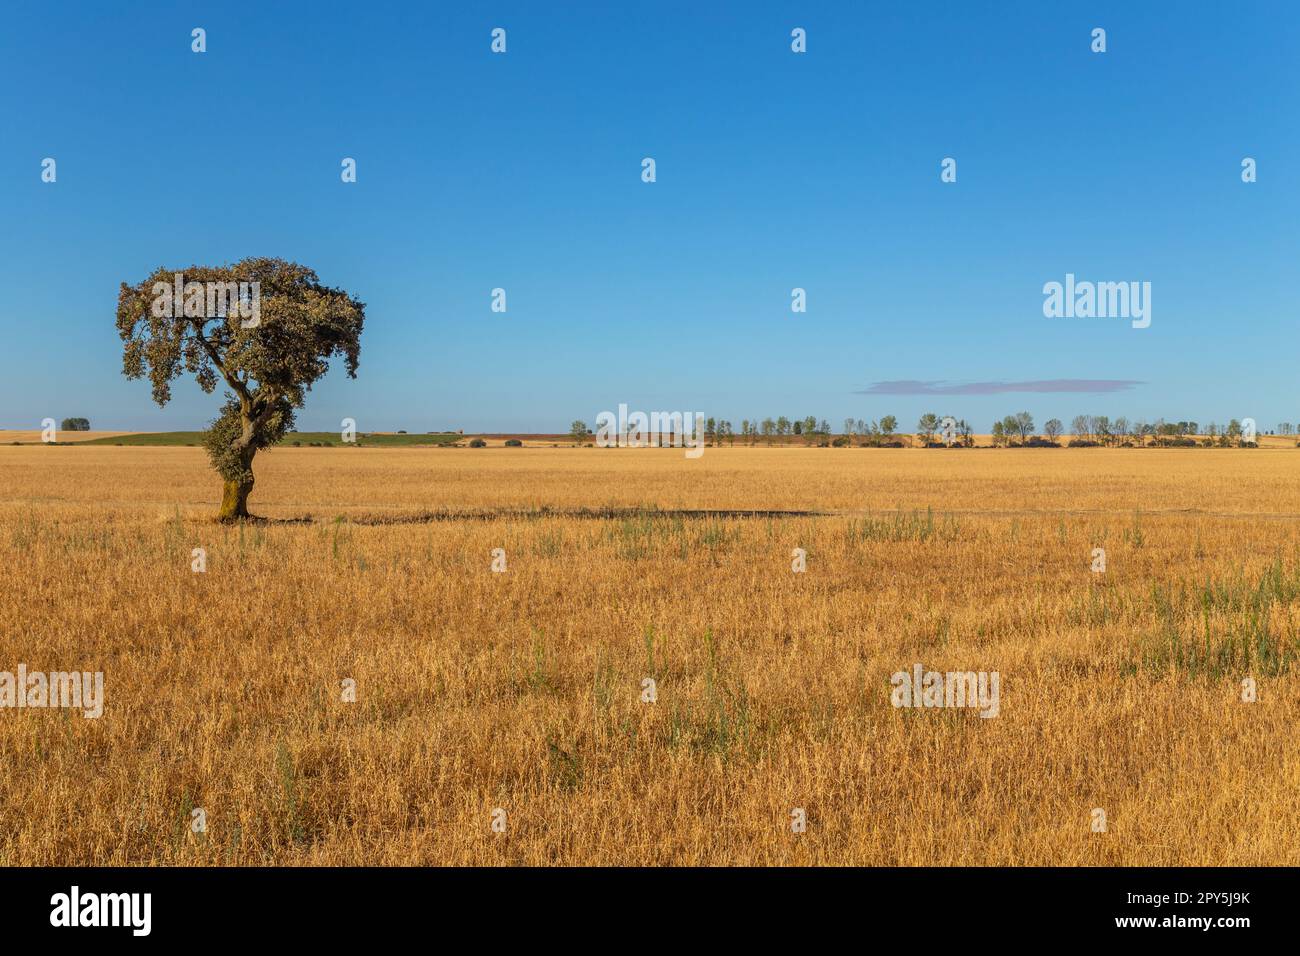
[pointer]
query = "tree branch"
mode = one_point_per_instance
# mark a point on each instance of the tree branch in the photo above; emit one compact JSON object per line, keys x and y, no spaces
{"x":240,"y":388}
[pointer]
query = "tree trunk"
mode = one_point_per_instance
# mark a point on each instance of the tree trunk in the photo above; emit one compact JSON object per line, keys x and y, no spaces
{"x":234,"y":496}
{"x":234,"y":500}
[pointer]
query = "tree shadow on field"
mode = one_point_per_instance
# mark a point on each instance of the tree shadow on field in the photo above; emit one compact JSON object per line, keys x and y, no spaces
{"x":260,"y":521}
{"x":594,"y":514}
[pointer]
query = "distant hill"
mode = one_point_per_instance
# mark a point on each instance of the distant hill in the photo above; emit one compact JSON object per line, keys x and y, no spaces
{"x":301,"y":438}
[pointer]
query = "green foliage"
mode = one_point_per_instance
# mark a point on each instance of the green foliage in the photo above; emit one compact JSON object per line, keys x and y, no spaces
{"x":1225,"y":628}
{"x":927,"y":425}
{"x":904,"y":526}
{"x":233,"y":460}
{"x":292,"y":808}
{"x":579,"y":432}
{"x":565,"y":765}
{"x":721,"y":723}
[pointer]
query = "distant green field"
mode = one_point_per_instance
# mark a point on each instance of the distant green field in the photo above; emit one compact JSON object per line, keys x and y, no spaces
{"x":303,"y":438}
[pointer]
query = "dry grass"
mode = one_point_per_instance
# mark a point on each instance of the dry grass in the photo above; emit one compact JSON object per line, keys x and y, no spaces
{"x":521,"y":690}
{"x":8,"y":437}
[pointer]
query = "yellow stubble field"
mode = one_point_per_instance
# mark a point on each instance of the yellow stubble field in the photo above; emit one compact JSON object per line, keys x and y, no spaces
{"x":226,"y":695}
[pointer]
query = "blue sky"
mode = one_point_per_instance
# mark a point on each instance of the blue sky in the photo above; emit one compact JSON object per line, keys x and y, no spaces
{"x":775,"y":170}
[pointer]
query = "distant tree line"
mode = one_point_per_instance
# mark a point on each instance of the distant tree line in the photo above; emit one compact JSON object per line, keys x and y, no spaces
{"x":1016,"y":430}
{"x":811,"y":430}
{"x":1103,"y":431}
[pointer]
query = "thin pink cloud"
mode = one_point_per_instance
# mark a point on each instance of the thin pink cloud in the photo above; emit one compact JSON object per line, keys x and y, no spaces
{"x":1091,"y":386}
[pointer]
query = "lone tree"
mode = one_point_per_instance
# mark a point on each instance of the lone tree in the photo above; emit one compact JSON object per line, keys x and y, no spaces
{"x":926,"y":427}
{"x":268,"y":364}
{"x":1024,"y":423}
{"x":579,"y":431}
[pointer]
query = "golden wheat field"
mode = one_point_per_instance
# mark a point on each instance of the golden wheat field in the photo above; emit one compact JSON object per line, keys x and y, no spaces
{"x":478,"y":691}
